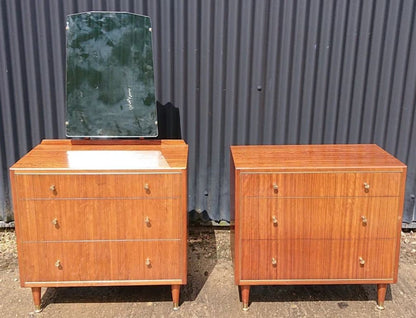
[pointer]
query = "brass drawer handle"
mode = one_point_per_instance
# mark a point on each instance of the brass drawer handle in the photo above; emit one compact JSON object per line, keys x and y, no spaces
{"x":148,"y":262}
{"x":274,"y":261}
{"x":52,"y":188}
{"x":147,"y":220}
{"x":364,"y":220}
{"x":274,"y":220}
{"x":361,"y":260}
{"x":146,"y":187}
{"x":275,"y":187}
{"x":55,"y":221}
{"x":366,"y":187}
{"x":58,"y":263}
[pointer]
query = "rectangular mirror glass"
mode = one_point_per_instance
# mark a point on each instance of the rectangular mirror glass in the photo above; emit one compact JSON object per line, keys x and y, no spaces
{"x":110,"y":78}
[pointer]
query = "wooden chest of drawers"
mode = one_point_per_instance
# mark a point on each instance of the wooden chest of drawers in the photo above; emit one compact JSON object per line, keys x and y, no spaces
{"x":101,"y":214}
{"x":316,"y":214}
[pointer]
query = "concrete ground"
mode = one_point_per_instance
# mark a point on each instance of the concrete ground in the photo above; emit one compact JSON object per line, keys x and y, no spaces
{"x":210,"y":291}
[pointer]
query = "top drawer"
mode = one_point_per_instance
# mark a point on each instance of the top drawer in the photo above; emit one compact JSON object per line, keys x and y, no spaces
{"x":97,"y":185}
{"x":321,"y":184}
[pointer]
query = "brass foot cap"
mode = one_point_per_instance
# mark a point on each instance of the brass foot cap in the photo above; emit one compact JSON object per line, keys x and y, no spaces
{"x":37,"y":308}
{"x":245,"y":307}
{"x":175,"y":306}
{"x":380,"y":306}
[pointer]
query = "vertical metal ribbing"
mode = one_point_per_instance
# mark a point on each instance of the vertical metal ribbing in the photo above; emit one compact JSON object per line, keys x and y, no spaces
{"x":239,"y":72}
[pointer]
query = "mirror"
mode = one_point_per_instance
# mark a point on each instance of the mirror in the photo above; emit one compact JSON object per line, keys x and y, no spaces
{"x":110,"y":90}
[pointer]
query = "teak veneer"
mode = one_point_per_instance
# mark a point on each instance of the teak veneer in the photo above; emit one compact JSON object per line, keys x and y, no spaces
{"x":101,"y":213}
{"x":315,"y":214}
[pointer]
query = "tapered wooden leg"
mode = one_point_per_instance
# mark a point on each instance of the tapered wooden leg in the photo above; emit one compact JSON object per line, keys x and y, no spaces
{"x":245,"y":294}
{"x":175,"y":296}
{"x":381,"y":295}
{"x":36,"y":298}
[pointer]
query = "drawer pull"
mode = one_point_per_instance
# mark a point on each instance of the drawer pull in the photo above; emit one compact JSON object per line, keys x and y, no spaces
{"x":362,"y":261}
{"x":275,"y":187}
{"x":274,"y":261}
{"x":274,"y":220}
{"x":147,"y":220}
{"x":364,"y":220}
{"x":366,"y":187}
{"x":148,"y":262}
{"x":146,"y":187}
{"x":58,"y":264}
{"x":52,"y":188}
{"x":55,"y":221}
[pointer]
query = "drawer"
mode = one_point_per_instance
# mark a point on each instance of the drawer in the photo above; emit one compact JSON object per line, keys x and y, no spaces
{"x":97,"y":185}
{"x":319,"y":218}
{"x":320,"y":184}
{"x":100,"y":261}
{"x":93,"y":219}
{"x":316,"y":260}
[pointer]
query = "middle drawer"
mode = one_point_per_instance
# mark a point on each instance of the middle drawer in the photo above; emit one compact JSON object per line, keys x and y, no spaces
{"x":91,"y":219}
{"x":318,"y":218}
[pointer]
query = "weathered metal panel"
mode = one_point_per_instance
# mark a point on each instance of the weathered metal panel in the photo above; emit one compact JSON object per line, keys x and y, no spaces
{"x":239,"y":72}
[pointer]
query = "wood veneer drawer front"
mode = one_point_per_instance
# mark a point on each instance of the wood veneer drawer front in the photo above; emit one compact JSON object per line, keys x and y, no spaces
{"x":258,"y":259}
{"x":100,"y":261}
{"x":89,"y":219}
{"x":319,"y":218}
{"x":317,"y":259}
{"x":321,"y":184}
{"x":98,"y":185}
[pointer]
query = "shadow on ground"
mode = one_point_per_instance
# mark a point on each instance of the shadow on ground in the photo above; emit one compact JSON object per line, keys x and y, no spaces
{"x":299,"y":293}
{"x":211,"y":291}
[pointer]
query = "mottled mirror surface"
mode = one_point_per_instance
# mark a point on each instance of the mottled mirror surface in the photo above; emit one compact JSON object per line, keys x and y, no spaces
{"x":110,"y":79}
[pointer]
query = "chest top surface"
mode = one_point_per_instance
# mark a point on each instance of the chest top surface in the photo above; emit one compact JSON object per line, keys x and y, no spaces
{"x":103,"y":155}
{"x":314,"y":157}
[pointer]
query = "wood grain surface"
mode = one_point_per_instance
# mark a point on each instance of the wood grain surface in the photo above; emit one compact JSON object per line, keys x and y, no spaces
{"x":313,"y":157}
{"x":103,"y":222}
{"x":315,"y":214}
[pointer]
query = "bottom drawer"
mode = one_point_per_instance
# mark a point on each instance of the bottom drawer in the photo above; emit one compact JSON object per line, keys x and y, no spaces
{"x":317,"y":259}
{"x":100,"y":261}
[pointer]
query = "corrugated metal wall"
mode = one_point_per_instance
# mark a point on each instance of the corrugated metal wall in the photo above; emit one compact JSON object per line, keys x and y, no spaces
{"x":239,"y":71}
